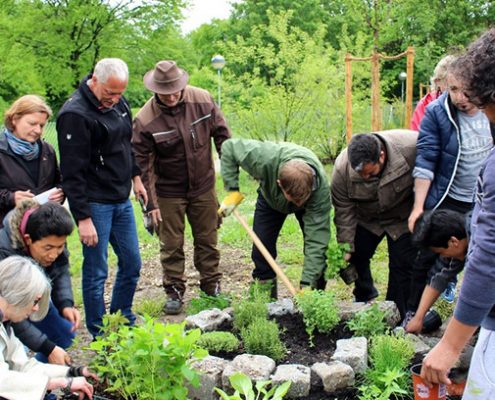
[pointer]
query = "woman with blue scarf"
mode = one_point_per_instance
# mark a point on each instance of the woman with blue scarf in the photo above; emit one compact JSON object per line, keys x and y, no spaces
{"x":28,"y":165}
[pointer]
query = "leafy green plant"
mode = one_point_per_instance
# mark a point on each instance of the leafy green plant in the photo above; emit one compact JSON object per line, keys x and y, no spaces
{"x":369,"y":322}
{"x":244,"y":389}
{"x":218,"y":341}
{"x":336,"y":257}
{"x":148,"y":361}
{"x":319,"y":311}
{"x":206,"y":302}
{"x":389,"y":385}
{"x":151,"y":306}
{"x":263,"y":337}
{"x":247,"y":309}
{"x":389,"y":355}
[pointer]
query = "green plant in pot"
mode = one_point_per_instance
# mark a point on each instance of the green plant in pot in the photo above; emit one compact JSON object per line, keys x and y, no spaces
{"x":337,"y":264}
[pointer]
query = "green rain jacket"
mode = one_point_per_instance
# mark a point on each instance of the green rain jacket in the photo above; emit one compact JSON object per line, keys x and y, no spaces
{"x":262,"y":160}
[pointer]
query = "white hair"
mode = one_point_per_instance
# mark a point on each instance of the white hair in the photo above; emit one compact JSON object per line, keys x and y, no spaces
{"x":22,"y":282}
{"x":108,"y":67}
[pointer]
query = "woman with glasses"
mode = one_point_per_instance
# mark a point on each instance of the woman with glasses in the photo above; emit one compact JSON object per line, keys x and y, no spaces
{"x":40,"y":232}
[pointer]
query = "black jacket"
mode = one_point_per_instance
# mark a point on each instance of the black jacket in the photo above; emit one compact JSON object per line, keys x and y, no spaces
{"x":14,"y":175}
{"x":96,"y":158}
{"x":61,"y":295}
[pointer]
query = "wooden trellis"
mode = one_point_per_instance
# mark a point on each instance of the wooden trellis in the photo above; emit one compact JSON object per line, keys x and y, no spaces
{"x":376,"y":117}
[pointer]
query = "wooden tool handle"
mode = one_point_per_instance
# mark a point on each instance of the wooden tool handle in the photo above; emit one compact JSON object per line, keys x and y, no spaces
{"x":268,"y":257}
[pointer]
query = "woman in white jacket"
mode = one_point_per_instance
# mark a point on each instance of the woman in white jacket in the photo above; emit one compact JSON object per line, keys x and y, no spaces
{"x":25,"y":293}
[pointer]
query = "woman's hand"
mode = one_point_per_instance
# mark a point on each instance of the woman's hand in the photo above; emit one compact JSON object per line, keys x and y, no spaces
{"x":20,"y":195}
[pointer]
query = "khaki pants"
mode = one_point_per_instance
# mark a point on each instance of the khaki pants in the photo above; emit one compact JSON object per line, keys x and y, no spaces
{"x":202,"y":215}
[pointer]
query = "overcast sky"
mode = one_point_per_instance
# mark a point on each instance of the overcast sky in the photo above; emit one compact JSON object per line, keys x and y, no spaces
{"x":203,"y":11}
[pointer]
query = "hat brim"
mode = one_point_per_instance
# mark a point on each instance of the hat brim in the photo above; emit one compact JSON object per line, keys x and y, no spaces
{"x":165,"y":88}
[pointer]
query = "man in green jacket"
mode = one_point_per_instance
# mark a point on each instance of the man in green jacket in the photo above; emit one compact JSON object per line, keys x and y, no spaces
{"x":292,"y":180}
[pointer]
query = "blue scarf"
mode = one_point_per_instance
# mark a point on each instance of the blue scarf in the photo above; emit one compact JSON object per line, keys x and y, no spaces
{"x":27,"y":150}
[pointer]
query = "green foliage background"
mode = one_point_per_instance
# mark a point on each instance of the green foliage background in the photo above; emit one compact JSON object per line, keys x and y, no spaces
{"x":284,"y":78}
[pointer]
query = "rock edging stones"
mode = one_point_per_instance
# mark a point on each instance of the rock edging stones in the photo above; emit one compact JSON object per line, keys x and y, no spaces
{"x":350,"y":357}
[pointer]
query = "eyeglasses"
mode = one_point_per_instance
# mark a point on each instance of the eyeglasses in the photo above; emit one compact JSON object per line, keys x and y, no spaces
{"x":36,"y":301}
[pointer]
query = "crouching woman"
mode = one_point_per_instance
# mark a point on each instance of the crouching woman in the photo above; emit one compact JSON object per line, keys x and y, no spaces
{"x":25,"y":293}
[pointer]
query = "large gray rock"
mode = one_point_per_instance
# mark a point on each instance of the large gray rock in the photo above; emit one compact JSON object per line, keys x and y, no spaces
{"x":353,"y":352}
{"x":210,"y":369}
{"x":298,"y":375}
{"x":258,"y":368}
{"x":208,"y":320}
{"x":420,"y":346}
{"x":334,"y":375}
{"x":347,"y":310}
{"x":281,"y":307}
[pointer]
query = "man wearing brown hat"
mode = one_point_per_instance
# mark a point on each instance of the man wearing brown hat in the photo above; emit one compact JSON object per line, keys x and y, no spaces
{"x":172,"y":141}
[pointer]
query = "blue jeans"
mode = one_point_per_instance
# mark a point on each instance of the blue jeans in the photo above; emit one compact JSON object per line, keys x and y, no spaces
{"x":56,"y":328}
{"x":114,"y":223}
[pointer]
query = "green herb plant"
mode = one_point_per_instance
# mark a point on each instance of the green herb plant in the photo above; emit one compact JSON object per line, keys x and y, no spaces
{"x":388,"y":385}
{"x":248,"y":308}
{"x":336,"y":257}
{"x":263,"y":337}
{"x":206,"y":302}
{"x":244,"y":389}
{"x":218,"y":341}
{"x":369,"y":322}
{"x":148,"y":361}
{"x":319,"y":311}
{"x":390,"y":357}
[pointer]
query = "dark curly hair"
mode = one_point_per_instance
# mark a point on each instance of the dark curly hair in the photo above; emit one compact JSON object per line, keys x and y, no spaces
{"x":479,"y":75}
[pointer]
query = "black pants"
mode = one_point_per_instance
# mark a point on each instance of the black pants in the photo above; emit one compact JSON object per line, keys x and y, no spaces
{"x":426,"y":258}
{"x":267,"y":225}
{"x":401,"y":255}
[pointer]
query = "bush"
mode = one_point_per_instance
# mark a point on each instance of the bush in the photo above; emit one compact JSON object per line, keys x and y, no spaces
{"x":369,"y":322}
{"x":218,"y":341}
{"x":134,"y":360}
{"x":206,"y":302}
{"x":263,"y":337}
{"x":319,"y":311}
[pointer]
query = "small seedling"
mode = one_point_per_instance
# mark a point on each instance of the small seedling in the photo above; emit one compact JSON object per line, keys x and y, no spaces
{"x":244,"y":389}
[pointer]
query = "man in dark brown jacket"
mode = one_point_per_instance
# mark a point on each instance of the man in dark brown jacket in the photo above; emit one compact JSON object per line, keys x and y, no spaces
{"x":372,"y":193}
{"x":172,"y":141}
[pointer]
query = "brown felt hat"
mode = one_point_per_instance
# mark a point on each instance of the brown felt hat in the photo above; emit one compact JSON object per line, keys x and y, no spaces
{"x":166,"y":78}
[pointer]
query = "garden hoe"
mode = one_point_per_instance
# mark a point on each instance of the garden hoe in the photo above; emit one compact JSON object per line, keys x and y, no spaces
{"x":268,"y":257}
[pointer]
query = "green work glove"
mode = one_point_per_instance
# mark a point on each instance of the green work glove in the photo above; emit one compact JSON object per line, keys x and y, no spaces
{"x":229,"y":203}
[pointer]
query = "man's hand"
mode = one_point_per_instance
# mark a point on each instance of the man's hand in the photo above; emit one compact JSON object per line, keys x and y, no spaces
{"x":139,"y":190}
{"x":87,"y":232}
{"x":415,"y":213}
{"x":437,"y":364}
{"x":57,"y":196}
{"x":229,"y":203}
{"x":59,"y":356}
{"x":72,"y":314}
{"x":415,"y":325}
{"x":156,"y":216}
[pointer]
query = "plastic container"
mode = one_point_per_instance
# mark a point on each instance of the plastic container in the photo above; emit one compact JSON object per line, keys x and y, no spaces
{"x":349,"y":274}
{"x":422,"y":391}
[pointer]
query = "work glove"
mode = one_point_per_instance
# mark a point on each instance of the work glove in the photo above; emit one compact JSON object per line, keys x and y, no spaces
{"x":229,"y":203}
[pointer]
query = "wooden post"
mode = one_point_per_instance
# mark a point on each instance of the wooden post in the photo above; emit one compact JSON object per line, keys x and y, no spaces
{"x":376,"y":118}
{"x":348,"y":98}
{"x":409,"y":85}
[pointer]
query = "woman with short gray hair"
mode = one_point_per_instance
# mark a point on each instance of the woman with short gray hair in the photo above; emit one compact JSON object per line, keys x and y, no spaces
{"x":25,"y":293}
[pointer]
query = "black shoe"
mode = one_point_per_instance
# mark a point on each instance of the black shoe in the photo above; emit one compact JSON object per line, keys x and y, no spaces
{"x":174,"y":303}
